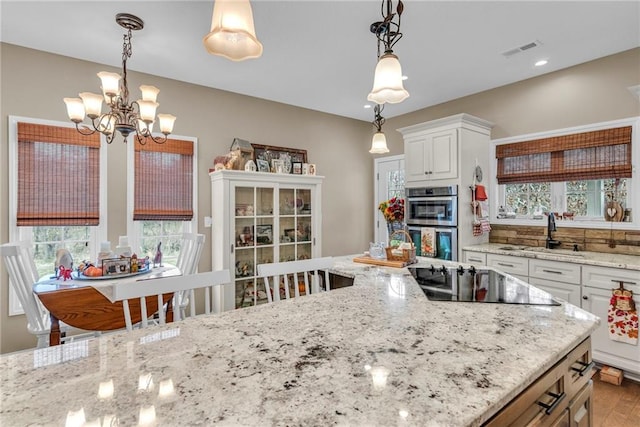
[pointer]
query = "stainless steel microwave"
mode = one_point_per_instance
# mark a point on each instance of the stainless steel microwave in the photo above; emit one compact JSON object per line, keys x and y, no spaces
{"x":432,"y":206}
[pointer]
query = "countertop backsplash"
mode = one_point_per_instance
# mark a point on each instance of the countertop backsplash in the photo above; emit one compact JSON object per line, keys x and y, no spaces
{"x":588,"y":239}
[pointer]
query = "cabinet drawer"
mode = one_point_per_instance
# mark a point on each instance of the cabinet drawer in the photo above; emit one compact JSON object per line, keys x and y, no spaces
{"x":527,"y":409}
{"x":566,"y":291}
{"x":553,"y":270}
{"x":475,"y":258}
{"x":509,"y":264}
{"x":603,"y":278}
{"x":579,"y":367}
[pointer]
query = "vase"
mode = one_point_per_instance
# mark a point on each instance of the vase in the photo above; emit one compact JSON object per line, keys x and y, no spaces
{"x":393,"y":226}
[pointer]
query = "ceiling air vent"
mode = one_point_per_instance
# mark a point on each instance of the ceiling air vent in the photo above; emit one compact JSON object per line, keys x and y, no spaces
{"x":509,"y":53}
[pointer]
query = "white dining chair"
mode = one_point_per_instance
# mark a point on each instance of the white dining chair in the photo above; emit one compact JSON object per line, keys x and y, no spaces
{"x":157,"y":288}
{"x":303,"y":271}
{"x":22,"y":276}
{"x":191,"y":247}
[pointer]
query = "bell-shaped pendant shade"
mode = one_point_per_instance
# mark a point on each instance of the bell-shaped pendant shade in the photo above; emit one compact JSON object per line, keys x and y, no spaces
{"x":149,"y":93}
{"x":387,"y":82}
{"x":92,"y":104}
{"x":166,"y":123}
{"x":75,"y":109}
{"x":110,"y":84}
{"x":232,"y":32}
{"x":379,"y":144}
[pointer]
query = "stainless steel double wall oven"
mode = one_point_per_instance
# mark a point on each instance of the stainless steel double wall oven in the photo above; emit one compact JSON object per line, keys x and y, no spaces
{"x":437,"y":208}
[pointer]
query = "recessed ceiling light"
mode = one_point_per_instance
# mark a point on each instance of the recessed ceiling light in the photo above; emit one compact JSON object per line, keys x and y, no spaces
{"x":404,"y":77}
{"x":541,"y":63}
{"x":367,"y":105}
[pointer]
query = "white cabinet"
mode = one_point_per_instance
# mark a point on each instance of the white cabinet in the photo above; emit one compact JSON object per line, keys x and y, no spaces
{"x":597,"y":283}
{"x":259,"y":218}
{"x":560,"y":279}
{"x":474,"y":258}
{"x":432,"y":156}
{"x":433,"y":150}
{"x":513,"y":265}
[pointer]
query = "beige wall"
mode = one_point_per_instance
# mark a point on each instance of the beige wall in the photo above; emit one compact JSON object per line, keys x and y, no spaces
{"x":34,"y":83}
{"x":592,"y":92}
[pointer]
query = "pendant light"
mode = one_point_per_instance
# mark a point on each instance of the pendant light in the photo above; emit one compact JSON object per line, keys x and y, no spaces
{"x":232,"y":32}
{"x":387,"y":81}
{"x":379,"y":141}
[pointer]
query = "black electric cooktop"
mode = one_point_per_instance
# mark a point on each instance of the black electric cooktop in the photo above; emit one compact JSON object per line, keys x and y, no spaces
{"x":477,"y":285}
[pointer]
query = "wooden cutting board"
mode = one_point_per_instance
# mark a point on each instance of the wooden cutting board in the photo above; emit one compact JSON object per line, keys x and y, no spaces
{"x":380,"y":262}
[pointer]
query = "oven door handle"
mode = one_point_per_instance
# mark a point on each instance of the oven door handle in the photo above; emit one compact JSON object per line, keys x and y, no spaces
{"x":429,"y":199}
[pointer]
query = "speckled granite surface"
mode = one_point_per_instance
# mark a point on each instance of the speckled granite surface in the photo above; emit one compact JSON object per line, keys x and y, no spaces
{"x":377,"y":353}
{"x":601,"y":259}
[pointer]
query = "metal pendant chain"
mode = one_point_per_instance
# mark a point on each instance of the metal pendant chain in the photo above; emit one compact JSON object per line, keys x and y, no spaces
{"x":126,"y":54}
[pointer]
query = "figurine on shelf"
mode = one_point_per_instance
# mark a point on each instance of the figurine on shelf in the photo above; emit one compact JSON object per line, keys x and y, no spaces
{"x":64,"y":273}
{"x":157,"y":260}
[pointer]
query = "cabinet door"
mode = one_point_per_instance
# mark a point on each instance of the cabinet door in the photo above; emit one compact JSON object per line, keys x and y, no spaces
{"x":414,"y":155}
{"x":565,"y":291}
{"x":442,"y":158}
{"x":253,"y":237}
{"x":581,"y":410}
{"x":295,"y":224}
{"x":605,"y":350}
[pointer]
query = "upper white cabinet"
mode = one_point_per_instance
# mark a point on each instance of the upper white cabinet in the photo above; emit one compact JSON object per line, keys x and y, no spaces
{"x":259,"y":218}
{"x":433,"y":150}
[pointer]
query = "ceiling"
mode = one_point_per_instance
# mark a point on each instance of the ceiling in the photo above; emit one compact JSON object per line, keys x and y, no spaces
{"x":320,"y":54}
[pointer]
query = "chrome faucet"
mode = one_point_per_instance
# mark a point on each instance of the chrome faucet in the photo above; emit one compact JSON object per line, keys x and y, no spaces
{"x":551,"y":226}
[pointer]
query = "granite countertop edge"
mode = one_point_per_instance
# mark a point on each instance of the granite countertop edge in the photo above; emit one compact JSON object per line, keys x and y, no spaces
{"x":600,"y":259}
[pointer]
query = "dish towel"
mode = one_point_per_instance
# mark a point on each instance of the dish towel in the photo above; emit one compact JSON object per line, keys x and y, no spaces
{"x":427,"y":242}
{"x":623,"y":317}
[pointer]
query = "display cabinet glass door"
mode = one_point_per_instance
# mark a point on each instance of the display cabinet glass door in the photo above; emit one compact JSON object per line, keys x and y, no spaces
{"x":295,"y":233}
{"x":254,"y":241}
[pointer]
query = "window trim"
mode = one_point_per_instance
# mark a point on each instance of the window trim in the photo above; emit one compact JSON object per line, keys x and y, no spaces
{"x":97,"y":234}
{"x":134,"y":229}
{"x":497,"y":190}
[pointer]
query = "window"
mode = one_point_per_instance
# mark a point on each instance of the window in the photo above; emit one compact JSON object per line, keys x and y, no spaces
{"x":578,"y":173}
{"x":163,"y":207}
{"x":55,"y":176}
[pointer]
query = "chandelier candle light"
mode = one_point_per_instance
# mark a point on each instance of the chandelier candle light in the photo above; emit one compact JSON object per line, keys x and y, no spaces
{"x":387,"y":82}
{"x":124,"y":116}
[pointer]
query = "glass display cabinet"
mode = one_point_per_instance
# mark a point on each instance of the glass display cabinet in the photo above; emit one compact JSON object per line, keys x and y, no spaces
{"x":259,"y":217}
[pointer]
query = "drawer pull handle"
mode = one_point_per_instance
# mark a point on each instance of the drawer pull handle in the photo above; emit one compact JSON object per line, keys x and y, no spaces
{"x":621,"y":282}
{"x":586,"y":367}
{"x":549,"y":407}
{"x":552,"y":271}
{"x":504,"y":264}
{"x":475,"y":260}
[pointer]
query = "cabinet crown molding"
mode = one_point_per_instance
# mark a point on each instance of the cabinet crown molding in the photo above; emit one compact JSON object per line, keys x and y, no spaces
{"x":459,"y":120}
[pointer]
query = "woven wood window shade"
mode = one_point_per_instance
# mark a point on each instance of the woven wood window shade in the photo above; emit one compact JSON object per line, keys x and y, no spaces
{"x":58,"y":176}
{"x":163,"y":187}
{"x":598,"y":154}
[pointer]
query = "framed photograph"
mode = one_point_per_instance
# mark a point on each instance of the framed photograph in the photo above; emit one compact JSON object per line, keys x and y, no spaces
{"x":277,"y":165}
{"x":263,"y":165}
{"x":264,"y":234}
{"x":312,"y":169}
{"x":296,"y":168}
{"x":270,"y":152}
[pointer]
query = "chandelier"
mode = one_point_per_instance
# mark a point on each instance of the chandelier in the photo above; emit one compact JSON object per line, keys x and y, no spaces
{"x":379,"y":141}
{"x":125,"y":117}
{"x":387,"y":81}
{"x":233,"y":34}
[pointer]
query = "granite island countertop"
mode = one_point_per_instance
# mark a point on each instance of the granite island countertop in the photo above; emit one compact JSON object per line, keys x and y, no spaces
{"x":601,"y":259}
{"x":376,"y":353}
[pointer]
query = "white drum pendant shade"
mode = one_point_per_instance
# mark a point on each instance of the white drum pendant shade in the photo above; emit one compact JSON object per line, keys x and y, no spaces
{"x":232,"y":32}
{"x":379,"y":144}
{"x":387,"y":82}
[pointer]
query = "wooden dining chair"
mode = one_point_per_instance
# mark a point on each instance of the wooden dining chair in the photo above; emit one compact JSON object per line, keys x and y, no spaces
{"x":191,"y":247}
{"x":159,"y":288}
{"x":22,"y":276}
{"x":304,"y":273}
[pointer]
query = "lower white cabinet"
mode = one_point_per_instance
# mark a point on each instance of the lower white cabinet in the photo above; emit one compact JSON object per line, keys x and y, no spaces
{"x":560,"y":279}
{"x":513,"y":265}
{"x":565,"y":291}
{"x":596,"y":295}
{"x":475,"y":258}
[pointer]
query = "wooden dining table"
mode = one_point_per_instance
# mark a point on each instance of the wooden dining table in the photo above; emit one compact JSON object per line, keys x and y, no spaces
{"x":93,"y":304}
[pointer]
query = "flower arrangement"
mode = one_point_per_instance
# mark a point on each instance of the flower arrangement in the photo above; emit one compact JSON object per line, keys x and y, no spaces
{"x":392,"y":209}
